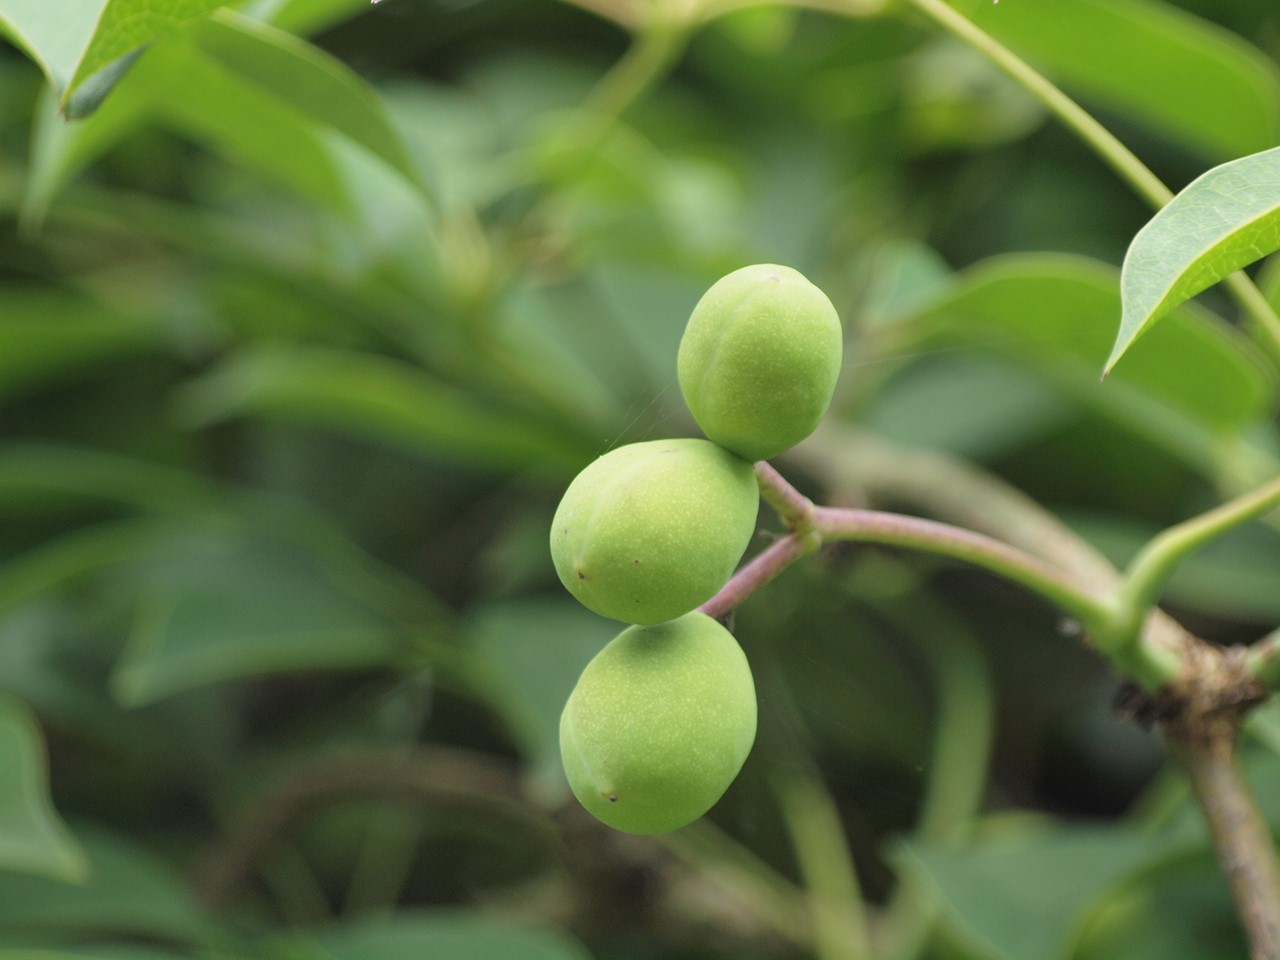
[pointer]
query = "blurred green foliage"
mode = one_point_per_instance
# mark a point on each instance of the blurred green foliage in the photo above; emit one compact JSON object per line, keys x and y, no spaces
{"x":309,"y":318}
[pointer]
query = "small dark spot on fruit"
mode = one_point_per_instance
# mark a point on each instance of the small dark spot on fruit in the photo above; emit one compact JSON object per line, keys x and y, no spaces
{"x":636,"y":562}
{"x":613,"y":798}
{"x":581,"y":575}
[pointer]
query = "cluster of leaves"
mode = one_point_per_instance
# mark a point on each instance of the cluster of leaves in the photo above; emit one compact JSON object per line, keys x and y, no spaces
{"x":308,"y":319}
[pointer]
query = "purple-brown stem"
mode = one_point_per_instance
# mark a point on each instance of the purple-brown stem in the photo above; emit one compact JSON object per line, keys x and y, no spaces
{"x":760,"y":570}
{"x":811,"y":526}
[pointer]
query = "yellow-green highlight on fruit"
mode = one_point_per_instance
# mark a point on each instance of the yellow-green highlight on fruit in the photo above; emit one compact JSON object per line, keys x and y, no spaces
{"x":649,"y":531}
{"x":659,"y":724}
{"x":759,"y":360}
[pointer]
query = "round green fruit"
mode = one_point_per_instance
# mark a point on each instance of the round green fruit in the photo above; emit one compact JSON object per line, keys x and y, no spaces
{"x":650,"y":530}
{"x":659,"y":724}
{"x":759,"y":360}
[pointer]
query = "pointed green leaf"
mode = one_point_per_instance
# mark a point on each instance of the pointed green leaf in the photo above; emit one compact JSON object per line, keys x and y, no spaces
{"x":128,"y":891}
{"x":1226,"y":219}
{"x":32,"y":837}
{"x":115,"y":951}
{"x":76,"y":41}
{"x":54,"y":33}
{"x":262,"y":96}
{"x":216,"y":606}
{"x":306,"y":17}
{"x":49,"y":471}
{"x":1025,"y":895}
{"x":318,"y":86}
{"x":66,"y":559}
{"x":124,"y":27}
{"x":381,"y":399}
{"x":47,"y":335}
{"x":1199,"y":383}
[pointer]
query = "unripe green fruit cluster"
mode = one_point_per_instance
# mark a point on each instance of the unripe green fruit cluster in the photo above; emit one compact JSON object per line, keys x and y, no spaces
{"x":650,"y":530}
{"x":759,"y":360}
{"x":662,"y":719}
{"x":659,"y":724}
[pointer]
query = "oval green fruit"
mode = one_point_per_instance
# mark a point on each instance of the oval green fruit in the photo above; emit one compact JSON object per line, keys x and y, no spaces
{"x":650,"y":530}
{"x":659,"y":724}
{"x":759,"y":360}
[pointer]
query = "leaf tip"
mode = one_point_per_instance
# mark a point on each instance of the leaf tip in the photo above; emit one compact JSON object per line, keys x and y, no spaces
{"x":1116,"y":353}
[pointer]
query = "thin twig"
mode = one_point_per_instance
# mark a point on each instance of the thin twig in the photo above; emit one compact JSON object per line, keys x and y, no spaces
{"x":1156,"y":561}
{"x":930,"y":536}
{"x":961,"y":494}
{"x":1241,"y":840}
{"x":849,"y":461}
{"x":819,"y":524}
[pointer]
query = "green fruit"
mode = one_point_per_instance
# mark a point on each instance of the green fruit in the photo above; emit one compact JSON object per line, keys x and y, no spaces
{"x":659,"y":724}
{"x":650,"y":530}
{"x":759,"y":360}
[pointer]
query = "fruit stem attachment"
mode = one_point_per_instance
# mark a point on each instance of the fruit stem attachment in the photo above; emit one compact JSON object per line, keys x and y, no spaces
{"x":1154,"y":564}
{"x":793,"y":508}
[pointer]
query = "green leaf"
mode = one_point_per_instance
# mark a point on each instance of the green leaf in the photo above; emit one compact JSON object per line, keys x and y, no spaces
{"x":1024,"y":895}
{"x":1224,"y":220}
{"x":1182,"y":912}
{"x":458,"y":936}
{"x":54,"y":33}
{"x":126,"y":25}
{"x":127,"y":892}
{"x":1175,"y":72}
{"x":217,"y":606}
{"x":1199,"y":383}
{"x":264,"y":98}
{"x":976,"y":407}
{"x":74,"y":40}
{"x":32,"y":837}
{"x":115,"y":951}
{"x":59,"y":150}
{"x":46,"y":335}
{"x":66,"y":559}
{"x":39,"y":471}
{"x":377,"y":398}
{"x":306,"y":17}
{"x":318,"y":86}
